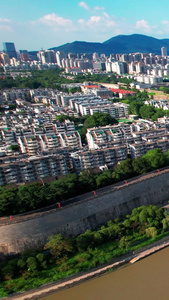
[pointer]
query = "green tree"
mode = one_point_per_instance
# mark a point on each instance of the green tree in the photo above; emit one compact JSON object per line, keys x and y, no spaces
{"x":134,"y":107}
{"x":141,"y":165}
{"x":104,"y":179}
{"x":41,"y":260}
{"x":99,"y":119}
{"x":151,"y":232}
{"x":98,"y":238}
{"x":14,"y":147}
{"x":147,"y":111}
{"x":85,"y":240}
{"x":87,"y":180}
{"x":32,"y":265}
{"x":8,"y":200}
{"x":124,"y":170}
{"x":59,"y":245}
{"x":124,"y":243}
{"x":29,"y":197}
{"x":74,"y":90}
{"x":155,"y":158}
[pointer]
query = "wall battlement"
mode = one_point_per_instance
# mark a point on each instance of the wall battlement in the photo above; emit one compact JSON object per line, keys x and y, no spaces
{"x":83,"y":212}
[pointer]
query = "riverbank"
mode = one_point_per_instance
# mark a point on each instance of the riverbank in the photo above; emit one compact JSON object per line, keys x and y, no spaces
{"x":55,"y":286}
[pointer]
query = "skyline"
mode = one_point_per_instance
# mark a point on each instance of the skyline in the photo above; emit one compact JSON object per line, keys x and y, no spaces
{"x":33,"y":25}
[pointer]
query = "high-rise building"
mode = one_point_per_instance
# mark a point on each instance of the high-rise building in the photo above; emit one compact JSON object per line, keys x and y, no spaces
{"x":163,"y":51}
{"x":59,"y":56}
{"x":5,"y":59}
{"x":47,"y":56}
{"x":24,"y":55}
{"x":9,"y":48}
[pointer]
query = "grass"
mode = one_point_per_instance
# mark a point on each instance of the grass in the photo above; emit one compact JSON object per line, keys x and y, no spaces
{"x":79,"y":262}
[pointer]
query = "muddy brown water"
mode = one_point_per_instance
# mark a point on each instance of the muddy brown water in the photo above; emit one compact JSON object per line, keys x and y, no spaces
{"x":147,"y":279}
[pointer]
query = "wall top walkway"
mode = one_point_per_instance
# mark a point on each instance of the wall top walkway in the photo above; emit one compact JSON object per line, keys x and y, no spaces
{"x":82,"y":198}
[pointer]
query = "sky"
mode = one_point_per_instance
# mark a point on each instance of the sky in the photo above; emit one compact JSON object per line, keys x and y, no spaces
{"x":42,"y":24}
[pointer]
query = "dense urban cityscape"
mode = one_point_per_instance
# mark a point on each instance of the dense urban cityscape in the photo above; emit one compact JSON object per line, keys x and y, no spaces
{"x":34,"y":144}
{"x":71,"y":124}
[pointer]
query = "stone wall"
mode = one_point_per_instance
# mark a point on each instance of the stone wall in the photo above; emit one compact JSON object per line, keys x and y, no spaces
{"x":75,"y":218}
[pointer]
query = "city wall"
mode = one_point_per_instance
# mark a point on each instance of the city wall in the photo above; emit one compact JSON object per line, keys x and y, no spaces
{"x":22,"y":233}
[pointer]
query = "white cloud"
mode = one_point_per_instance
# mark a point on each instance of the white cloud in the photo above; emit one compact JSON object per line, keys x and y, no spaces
{"x":5,"y":28}
{"x":94,"y":20}
{"x":160,"y":32}
{"x":111,"y":23}
{"x":143,"y":25}
{"x":103,"y":23}
{"x":165,"y":22}
{"x":53,"y":19}
{"x":165,"y":26}
{"x":106,"y":15}
{"x":81,"y":21}
{"x":5,"y":25}
{"x":99,"y":8}
{"x":84,"y":5}
{"x":56,"y":22}
{"x":5,"y":20}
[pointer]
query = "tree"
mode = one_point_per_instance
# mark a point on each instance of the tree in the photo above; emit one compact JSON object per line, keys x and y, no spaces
{"x":32,"y":264}
{"x":41,"y":260}
{"x":63,"y":188}
{"x":155,"y":158}
{"x":85,"y":240}
{"x":74,"y":90}
{"x":134,"y":107}
{"x":104,"y":179}
{"x":14,"y":147}
{"x":166,"y":155}
{"x":124,"y":243}
{"x":98,"y":238}
{"x":124,"y":170}
{"x":151,"y":232}
{"x":99,"y":119}
{"x":87,"y":180}
{"x":141,"y":165}
{"x":8,"y":201}
{"x":159,"y":114}
{"x":29,"y":197}
{"x":147,"y":111}
{"x":59,"y":245}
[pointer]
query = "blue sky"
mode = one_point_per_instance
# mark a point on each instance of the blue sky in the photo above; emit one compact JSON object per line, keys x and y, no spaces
{"x":36,"y":24}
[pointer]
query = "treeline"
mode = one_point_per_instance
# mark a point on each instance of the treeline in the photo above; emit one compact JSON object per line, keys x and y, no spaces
{"x":62,"y":256}
{"x":37,"y":195}
{"x":144,"y":111}
{"x":38,"y":79}
{"x":103,"y":78}
{"x":54,"y":79}
{"x":147,"y":111}
{"x":164,"y":89}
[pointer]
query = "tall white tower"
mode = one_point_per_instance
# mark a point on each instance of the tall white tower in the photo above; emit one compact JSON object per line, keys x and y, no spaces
{"x":163,"y":51}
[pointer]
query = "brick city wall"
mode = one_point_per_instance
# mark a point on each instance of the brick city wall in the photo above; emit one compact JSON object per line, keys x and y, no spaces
{"x":109,"y":203}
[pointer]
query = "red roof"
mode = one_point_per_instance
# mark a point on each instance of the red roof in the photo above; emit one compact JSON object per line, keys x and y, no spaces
{"x":92,"y":86}
{"x":122,"y":91}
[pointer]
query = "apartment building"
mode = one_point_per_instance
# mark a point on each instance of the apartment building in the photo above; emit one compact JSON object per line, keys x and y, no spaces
{"x":105,"y":157}
{"x":97,"y":137}
{"x":33,"y":168}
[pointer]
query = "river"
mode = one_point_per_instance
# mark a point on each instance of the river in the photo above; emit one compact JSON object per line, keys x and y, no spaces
{"x":147,"y":279}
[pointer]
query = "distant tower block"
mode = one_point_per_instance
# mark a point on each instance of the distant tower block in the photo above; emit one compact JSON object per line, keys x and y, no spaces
{"x":163,"y":51}
{"x":9,"y":49}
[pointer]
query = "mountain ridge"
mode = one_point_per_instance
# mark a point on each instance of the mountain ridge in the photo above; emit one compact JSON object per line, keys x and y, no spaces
{"x":118,"y":44}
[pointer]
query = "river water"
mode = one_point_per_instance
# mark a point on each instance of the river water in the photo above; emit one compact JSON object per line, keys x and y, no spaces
{"x":147,"y":279}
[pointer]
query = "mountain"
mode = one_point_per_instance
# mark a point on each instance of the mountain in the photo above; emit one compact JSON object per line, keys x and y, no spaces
{"x":80,"y":47}
{"x":118,"y":44}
